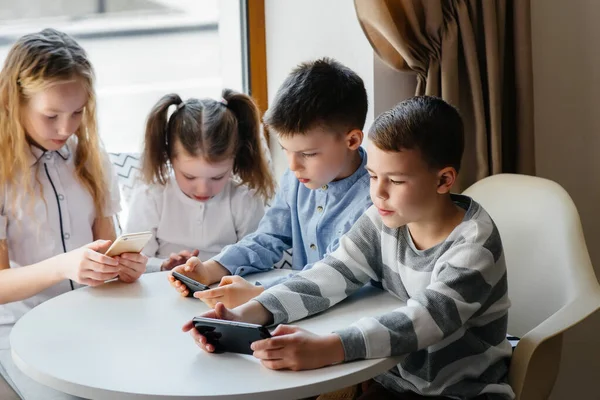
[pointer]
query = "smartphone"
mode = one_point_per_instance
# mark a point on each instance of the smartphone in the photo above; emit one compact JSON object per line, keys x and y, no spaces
{"x":129,"y":243}
{"x":230,"y":336}
{"x":192,"y":285}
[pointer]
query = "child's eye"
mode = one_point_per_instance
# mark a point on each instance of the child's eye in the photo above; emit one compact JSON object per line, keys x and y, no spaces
{"x":78,"y":112}
{"x":51,"y":116}
{"x":372,"y":177}
{"x":218,"y":178}
{"x":189,"y":178}
{"x":309,"y":154}
{"x":396,"y":182}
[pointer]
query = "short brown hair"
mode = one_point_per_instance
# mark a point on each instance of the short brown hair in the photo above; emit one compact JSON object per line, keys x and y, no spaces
{"x":425,"y":123}
{"x":320,"y":93}
{"x":215,"y":130}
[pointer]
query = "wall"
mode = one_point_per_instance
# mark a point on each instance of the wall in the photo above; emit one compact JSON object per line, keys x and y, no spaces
{"x":566,"y":67}
{"x":298,"y":31}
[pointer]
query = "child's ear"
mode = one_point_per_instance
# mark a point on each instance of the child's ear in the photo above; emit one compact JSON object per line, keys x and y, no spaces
{"x":446,"y":179}
{"x":354,"y":139}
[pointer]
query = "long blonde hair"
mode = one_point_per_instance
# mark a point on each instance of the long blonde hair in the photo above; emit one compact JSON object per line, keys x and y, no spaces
{"x":35,"y":62}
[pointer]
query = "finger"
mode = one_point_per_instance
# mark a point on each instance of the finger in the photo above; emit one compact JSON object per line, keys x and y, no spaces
{"x":201,"y":341}
{"x":226,"y":280}
{"x":99,"y":246}
{"x":131,"y":265}
{"x":274,"y":354}
{"x":191,"y":264}
{"x":195,"y":253}
{"x":275,"y":364}
{"x":137,"y":258}
{"x":97,"y":276}
{"x":184,"y":254}
{"x":268,"y":344}
{"x":100,"y":258}
{"x":223,"y":312}
{"x":188,"y":326}
{"x":210,"y":293}
{"x":99,"y":267}
{"x":285,"y":330}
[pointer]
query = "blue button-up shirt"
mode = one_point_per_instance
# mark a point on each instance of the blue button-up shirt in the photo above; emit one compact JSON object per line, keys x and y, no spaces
{"x":308,"y":221}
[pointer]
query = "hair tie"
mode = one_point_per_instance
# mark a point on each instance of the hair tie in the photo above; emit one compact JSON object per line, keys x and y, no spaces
{"x":224,"y":102}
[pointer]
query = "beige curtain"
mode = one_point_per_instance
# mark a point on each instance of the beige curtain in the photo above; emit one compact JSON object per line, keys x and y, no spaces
{"x":475,"y":54}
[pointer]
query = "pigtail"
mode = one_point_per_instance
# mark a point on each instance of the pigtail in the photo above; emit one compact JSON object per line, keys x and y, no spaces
{"x":250,"y":163}
{"x":158,"y":138}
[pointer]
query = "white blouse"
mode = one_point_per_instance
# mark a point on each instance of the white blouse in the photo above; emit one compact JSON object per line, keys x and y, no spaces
{"x":59,"y":221}
{"x":181,"y":223}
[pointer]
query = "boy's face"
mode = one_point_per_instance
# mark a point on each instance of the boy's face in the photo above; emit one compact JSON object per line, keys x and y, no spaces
{"x":403,"y":187}
{"x":318,"y":156}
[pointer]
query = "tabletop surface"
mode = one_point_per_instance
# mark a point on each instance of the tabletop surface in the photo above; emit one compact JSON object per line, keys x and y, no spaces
{"x":124,"y":341}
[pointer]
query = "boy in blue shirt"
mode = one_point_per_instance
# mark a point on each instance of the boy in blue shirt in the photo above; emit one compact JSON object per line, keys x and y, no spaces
{"x":318,"y":114}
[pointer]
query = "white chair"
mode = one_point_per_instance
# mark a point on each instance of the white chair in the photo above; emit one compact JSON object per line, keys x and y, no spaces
{"x":551,"y":281}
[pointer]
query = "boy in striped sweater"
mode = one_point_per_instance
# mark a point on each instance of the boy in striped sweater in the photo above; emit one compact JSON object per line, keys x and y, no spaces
{"x":438,"y":252}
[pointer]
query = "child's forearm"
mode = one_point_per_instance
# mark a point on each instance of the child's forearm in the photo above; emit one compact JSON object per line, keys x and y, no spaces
{"x":253,"y":312}
{"x":215,"y":271}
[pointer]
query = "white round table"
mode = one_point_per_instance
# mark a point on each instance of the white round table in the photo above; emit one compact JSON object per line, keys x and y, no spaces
{"x":124,"y":341}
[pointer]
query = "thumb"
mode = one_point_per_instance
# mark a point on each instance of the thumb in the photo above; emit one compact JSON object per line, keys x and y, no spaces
{"x":195,"y":253}
{"x":99,"y":246}
{"x":284,"y":330}
{"x":191,"y":264}
{"x":223,"y":312}
{"x":226,"y":280}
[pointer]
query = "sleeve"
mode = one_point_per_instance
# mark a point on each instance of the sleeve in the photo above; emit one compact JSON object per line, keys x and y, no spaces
{"x":331,"y":280}
{"x":113,"y":200}
{"x":259,"y":251}
{"x":247,"y":210}
{"x":361,"y":204}
{"x":461,"y":285}
{"x":144,"y":215}
{"x":458,"y":292}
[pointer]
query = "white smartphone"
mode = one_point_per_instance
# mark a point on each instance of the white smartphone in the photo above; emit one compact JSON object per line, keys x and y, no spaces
{"x":129,"y":243}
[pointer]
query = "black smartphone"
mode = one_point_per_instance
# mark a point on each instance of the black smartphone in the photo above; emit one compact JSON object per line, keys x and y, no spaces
{"x":230,"y":336}
{"x":192,"y":285}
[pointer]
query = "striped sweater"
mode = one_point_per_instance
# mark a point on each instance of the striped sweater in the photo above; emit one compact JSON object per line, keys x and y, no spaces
{"x":453,"y":304}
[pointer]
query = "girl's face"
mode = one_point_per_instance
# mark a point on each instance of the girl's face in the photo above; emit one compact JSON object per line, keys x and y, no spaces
{"x":197,"y":178}
{"x":52,"y":115}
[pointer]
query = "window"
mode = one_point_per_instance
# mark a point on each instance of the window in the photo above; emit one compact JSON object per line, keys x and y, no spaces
{"x":142,"y":50}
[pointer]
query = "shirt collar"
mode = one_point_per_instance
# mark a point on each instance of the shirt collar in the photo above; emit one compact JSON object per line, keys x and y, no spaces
{"x":37,"y":153}
{"x":344,"y":184}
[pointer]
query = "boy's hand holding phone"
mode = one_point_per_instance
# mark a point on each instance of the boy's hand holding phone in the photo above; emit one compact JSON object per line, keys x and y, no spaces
{"x":233,"y":291}
{"x":290,"y":347}
{"x":206,"y":273}
{"x":178,"y":259}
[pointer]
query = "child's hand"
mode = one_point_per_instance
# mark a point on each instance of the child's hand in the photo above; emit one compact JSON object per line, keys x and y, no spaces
{"x":88,"y":265}
{"x":131,"y":266}
{"x":194,"y":268}
{"x":220,"y":312}
{"x":178,"y":259}
{"x":297,"y":349}
{"x":232,"y":292}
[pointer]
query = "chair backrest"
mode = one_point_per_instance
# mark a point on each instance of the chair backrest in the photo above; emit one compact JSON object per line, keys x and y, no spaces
{"x":546,"y":255}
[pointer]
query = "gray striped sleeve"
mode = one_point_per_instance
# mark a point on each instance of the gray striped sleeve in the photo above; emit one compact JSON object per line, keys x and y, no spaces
{"x":331,"y":280}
